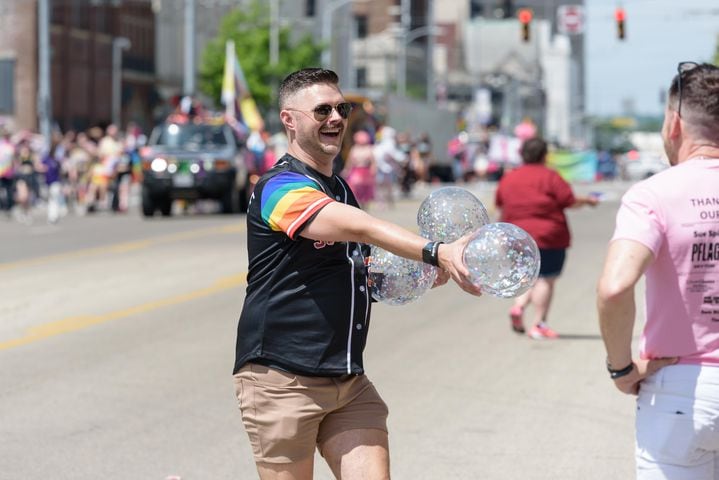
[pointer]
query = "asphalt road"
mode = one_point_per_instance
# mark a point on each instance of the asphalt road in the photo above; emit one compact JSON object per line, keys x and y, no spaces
{"x":117,"y":342}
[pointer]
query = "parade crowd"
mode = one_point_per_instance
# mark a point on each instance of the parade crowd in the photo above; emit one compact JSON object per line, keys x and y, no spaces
{"x":95,"y":170}
{"x":79,"y":172}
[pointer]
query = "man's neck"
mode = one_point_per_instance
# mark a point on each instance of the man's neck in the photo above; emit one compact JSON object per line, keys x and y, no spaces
{"x":700,"y":151}
{"x":324,"y":166}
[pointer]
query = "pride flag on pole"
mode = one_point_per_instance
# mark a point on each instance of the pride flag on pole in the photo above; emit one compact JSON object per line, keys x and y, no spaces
{"x":240,"y":107}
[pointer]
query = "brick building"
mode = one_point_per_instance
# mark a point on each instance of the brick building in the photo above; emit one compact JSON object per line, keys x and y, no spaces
{"x":82,"y":34}
{"x":18,"y":64}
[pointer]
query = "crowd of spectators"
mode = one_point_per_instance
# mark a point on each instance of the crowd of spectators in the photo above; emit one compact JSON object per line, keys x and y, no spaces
{"x":78,"y":172}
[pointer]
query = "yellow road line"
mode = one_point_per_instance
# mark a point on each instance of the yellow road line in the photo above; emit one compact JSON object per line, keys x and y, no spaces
{"x":73,"y":324}
{"x":124,"y":247}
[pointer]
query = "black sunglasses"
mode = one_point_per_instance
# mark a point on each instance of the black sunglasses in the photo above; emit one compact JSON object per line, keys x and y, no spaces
{"x":682,"y":68}
{"x":323,"y":111}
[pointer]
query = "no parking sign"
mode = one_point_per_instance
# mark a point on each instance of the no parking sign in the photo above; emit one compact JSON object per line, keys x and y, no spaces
{"x":570,"y":19}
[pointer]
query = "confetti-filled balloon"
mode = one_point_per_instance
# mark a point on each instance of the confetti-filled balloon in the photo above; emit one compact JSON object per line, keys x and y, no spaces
{"x":449,"y":213}
{"x":502,"y":259}
{"x":397,"y":280}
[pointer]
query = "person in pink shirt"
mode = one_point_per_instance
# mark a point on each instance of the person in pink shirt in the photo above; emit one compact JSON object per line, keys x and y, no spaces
{"x":667,"y":230}
{"x":361,"y":168}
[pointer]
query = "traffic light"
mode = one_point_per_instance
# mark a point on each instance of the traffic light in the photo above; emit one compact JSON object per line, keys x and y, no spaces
{"x":620,"y":16}
{"x":525,"y":18}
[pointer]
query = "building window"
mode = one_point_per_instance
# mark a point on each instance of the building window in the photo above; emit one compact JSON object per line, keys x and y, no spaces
{"x":80,"y":14}
{"x":361,"y":77}
{"x":310,"y":8}
{"x":475,"y":8}
{"x":7,"y":80}
{"x":361,"y":21}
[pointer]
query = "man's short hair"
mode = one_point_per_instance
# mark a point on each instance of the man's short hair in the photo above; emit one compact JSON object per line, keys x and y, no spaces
{"x":304,"y":78}
{"x":534,"y":150}
{"x":700,"y":99}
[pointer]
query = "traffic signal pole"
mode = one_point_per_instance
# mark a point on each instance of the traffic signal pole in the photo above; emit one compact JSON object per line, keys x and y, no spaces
{"x":620,"y":17}
{"x":525,"y":19}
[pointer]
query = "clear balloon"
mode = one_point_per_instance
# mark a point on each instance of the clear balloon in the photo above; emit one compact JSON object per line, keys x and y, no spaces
{"x":503,"y":260}
{"x":449,"y":213}
{"x":397,"y":280}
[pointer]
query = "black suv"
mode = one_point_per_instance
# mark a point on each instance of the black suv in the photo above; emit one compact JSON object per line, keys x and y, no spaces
{"x":192,"y":161}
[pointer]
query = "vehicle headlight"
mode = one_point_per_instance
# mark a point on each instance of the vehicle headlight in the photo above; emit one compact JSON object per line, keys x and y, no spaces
{"x":158,"y":165}
{"x":172,"y":168}
{"x":194,"y":168}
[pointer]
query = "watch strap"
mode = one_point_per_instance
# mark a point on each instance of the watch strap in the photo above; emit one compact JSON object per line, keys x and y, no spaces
{"x":430,"y":253}
{"x":619,"y":373}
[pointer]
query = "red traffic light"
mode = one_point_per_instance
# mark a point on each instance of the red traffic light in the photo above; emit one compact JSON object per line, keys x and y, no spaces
{"x":619,"y":14}
{"x":524,"y":15}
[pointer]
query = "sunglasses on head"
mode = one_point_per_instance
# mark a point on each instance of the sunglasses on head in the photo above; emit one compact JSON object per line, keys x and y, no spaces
{"x":682,"y":68}
{"x":323,"y":111}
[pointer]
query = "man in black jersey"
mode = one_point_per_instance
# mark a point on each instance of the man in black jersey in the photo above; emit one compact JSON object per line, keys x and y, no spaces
{"x":298,"y":372}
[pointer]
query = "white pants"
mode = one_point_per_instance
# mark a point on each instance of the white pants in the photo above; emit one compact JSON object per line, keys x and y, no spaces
{"x":678,"y":424}
{"x":55,"y":202}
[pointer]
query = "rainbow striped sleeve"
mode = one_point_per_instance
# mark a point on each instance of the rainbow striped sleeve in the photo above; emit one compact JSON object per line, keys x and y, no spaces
{"x":289,"y":200}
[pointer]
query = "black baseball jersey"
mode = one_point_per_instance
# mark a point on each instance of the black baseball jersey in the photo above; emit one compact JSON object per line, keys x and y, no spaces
{"x":307,"y":305}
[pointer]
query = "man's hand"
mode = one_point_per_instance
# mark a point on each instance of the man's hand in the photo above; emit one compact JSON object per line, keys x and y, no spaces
{"x":629,"y":384}
{"x":450,"y":260}
{"x":441,"y":278}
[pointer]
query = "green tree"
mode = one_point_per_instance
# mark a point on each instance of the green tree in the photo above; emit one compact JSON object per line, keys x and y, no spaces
{"x":250,"y":29}
{"x":716,"y":53}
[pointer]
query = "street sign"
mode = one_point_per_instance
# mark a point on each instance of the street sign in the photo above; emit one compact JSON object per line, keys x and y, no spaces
{"x":570,"y":19}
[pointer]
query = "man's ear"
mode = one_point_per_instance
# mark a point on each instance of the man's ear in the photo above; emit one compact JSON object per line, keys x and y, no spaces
{"x":675,"y":125}
{"x":287,"y":120}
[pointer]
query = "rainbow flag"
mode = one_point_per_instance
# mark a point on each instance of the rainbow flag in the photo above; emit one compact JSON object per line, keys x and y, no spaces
{"x":240,"y":107}
{"x":574,"y":166}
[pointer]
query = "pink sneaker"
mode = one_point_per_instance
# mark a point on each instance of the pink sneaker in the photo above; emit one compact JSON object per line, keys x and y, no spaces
{"x":515,"y":318}
{"x":542,"y":332}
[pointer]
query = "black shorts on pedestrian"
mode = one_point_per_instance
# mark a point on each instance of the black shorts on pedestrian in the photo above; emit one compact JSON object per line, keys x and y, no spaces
{"x":552,"y":261}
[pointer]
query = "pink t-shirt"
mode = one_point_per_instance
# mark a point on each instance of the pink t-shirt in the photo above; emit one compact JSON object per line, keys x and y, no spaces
{"x":675,"y":213}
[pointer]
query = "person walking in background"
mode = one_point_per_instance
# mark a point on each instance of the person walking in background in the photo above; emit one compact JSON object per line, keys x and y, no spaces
{"x":79,"y":171}
{"x":52,"y":168}
{"x":534,"y":198}
{"x":104,"y":171}
{"x":407,"y":174}
{"x":7,"y":172}
{"x":26,"y":187}
{"x":299,"y":373}
{"x":425,"y":158}
{"x":361,"y":169}
{"x":525,"y":129}
{"x":390,"y":159}
{"x":667,"y":230}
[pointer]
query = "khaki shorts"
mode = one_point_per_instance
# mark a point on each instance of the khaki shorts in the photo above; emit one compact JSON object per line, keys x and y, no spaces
{"x":287,"y":416}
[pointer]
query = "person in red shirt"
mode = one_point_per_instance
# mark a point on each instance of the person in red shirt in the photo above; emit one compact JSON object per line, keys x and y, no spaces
{"x":534,"y":197}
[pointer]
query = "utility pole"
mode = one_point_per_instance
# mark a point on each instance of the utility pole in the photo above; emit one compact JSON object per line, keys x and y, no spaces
{"x":118,"y":45}
{"x":402,"y":63}
{"x":431,"y":89}
{"x":44,"y":105}
{"x":327,"y":17}
{"x":406,"y":39}
{"x":274,"y":60}
{"x":274,"y":32}
{"x":188,"y":87}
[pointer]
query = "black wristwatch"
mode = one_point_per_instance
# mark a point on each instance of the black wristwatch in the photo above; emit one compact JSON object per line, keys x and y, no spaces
{"x":614,"y":374}
{"x":429,"y":253}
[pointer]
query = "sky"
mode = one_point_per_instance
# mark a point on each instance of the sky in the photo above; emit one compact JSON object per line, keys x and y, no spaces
{"x":659,"y":35}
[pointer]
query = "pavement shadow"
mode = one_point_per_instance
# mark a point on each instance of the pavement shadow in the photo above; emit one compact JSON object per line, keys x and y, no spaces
{"x":573,"y":336}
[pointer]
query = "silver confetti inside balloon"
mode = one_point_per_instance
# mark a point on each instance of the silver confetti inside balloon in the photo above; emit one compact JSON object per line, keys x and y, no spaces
{"x":397,"y":280}
{"x":449,"y":213}
{"x":503,"y":260}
